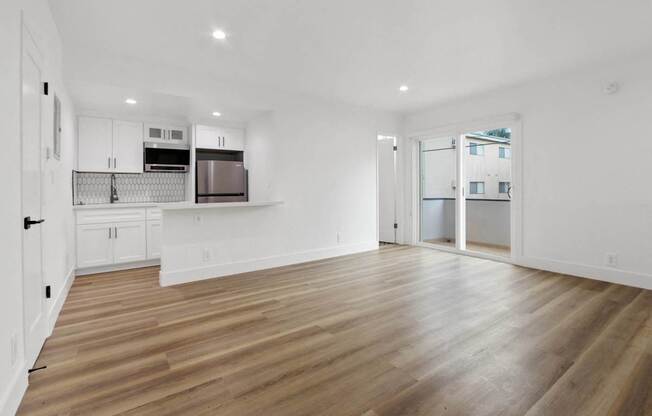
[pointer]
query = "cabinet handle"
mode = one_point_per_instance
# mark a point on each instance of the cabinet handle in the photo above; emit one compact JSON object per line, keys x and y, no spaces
{"x":109,"y":233}
{"x":109,"y":160}
{"x":115,"y":163}
{"x":116,"y":232}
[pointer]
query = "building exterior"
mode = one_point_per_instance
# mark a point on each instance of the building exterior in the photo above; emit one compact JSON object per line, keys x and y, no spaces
{"x":487,"y":169}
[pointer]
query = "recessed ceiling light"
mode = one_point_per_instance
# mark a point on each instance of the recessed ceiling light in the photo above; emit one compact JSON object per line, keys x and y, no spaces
{"x":219,"y":34}
{"x":403,"y":88}
{"x":130,"y":101}
{"x":216,"y":113}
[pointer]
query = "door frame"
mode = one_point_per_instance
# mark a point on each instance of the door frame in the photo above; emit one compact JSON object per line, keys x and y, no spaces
{"x":458,"y":130}
{"x":28,"y":44}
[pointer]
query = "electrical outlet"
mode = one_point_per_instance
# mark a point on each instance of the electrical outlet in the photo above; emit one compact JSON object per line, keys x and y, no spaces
{"x":611,"y":259}
{"x":14,"y":349}
{"x":206,"y":255}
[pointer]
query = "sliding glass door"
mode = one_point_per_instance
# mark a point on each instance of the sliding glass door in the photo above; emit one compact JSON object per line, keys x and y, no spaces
{"x":465,"y":191}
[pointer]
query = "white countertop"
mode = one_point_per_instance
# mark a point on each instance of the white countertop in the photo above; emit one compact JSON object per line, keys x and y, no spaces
{"x":127,"y":205}
{"x":192,"y":205}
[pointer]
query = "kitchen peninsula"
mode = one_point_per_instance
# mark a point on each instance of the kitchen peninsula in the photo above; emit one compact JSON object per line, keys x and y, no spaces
{"x":202,"y":241}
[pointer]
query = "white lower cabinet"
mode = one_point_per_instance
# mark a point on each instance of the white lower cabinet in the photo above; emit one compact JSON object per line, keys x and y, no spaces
{"x":153,"y":239}
{"x":115,"y":236}
{"x":129,"y":242}
{"x":94,"y":245}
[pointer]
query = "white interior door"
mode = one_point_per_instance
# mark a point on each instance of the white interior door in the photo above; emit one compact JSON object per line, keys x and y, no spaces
{"x":33,"y":289}
{"x":386,"y":189}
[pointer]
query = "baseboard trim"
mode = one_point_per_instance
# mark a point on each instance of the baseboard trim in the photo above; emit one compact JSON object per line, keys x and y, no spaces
{"x":14,"y":392}
{"x":175,"y":277}
{"x":604,"y":274}
{"x":58,"y":301}
{"x":117,"y":267}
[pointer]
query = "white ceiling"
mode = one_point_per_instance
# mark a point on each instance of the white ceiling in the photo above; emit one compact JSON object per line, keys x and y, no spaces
{"x":356,"y":51}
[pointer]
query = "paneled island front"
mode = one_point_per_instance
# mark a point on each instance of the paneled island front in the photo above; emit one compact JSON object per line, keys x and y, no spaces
{"x":202,"y":241}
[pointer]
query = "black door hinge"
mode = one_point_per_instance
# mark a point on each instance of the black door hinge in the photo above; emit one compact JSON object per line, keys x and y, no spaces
{"x":48,"y":292}
{"x":45,"y":88}
{"x":395,"y":148}
{"x":395,"y":225}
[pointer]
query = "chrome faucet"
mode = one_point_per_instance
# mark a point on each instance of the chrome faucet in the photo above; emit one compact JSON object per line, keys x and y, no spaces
{"x":114,"y":190}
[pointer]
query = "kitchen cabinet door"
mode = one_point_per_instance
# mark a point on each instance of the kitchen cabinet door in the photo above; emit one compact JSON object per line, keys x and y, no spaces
{"x":127,"y":146}
{"x":208,"y":137}
{"x":94,"y":245}
{"x":129,"y":243}
{"x":224,"y":138}
{"x":95,"y":144}
{"x":177,"y":135}
{"x":153,"y":239}
{"x":155,"y":133}
{"x":233,"y":139}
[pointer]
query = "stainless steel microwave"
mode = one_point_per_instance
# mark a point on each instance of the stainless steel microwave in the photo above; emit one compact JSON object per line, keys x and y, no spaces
{"x":166,"y":157}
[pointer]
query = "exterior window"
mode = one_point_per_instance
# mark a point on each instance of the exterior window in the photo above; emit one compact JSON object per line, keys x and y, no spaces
{"x":503,"y":187}
{"x":476,"y":149}
{"x":504,"y":152}
{"x":476,"y":188}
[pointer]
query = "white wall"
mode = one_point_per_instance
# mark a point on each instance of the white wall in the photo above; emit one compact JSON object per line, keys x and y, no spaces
{"x":586,"y":156}
{"x":58,"y":237}
{"x":319,"y":158}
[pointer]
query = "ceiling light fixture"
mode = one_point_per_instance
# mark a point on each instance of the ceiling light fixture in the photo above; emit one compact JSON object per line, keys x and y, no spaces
{"x":403,"y":88}
{"x":219,"y":34}
{"x":130,"y":101}
{"x":216,"y":113}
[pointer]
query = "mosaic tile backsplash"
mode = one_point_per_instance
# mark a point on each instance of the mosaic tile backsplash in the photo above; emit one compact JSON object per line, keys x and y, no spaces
{"x":94,"y":188}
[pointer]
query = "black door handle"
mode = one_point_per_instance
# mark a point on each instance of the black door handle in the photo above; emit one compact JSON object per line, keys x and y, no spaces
{"x":28,"y":222}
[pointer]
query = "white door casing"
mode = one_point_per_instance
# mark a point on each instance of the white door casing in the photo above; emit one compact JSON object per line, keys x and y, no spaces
{"x":386,"y":189}
{"x":33,"y":289}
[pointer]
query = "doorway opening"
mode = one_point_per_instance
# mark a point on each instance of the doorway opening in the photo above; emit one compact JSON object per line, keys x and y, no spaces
{"x":386,"y":166}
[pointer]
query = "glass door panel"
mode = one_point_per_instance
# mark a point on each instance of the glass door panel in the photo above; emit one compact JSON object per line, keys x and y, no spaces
{"x":488,"y":191}
{"x":437,"y":157}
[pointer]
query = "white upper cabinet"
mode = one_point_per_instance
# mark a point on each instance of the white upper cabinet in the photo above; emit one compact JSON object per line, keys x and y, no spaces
{"x":127,"y":146}
{"x":95,"y":144}
{"x":163,"y":133}
{"x":106,"y":145}
{"x":224,"y":138}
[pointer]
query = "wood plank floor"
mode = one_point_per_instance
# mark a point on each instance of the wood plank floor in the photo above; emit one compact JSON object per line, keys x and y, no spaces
{"x":398,"y":331}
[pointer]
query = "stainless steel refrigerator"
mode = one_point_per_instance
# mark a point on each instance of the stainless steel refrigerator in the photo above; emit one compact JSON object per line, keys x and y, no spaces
{"x":221,"y":181}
